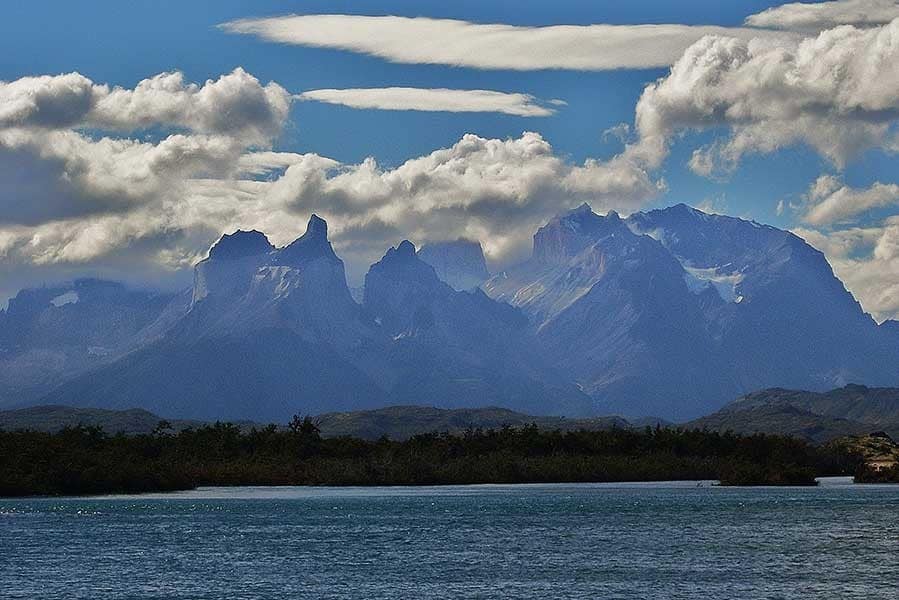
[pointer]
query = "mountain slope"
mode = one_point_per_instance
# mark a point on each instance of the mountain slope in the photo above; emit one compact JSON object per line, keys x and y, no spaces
{"x":54,"y":418}
{"x":266,"y":376}
{"x":612,"y":309}
{"x":453,"y":348}
{"x":52,"y":333}
{"x":272,"y":332}
{"x":396,"y":422}
{"x":269,"y":333}
{"x":871,"y":405}
{"x":402,"y":422}
{"x":673,"y":312}
{"x":779,"y":313}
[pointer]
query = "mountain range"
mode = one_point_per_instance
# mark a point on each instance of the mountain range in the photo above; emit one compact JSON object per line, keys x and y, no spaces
{"x":670,"y":313}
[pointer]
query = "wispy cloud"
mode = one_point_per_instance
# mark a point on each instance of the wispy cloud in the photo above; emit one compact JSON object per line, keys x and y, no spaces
{"x":421,"y":40}
{"x":831,"y":201}
{"x":817,"y":16}
{"x":432,"y":99}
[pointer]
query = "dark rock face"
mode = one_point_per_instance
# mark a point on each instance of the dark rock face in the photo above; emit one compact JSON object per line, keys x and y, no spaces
{"x":240,"y":244}
{"x":459,"y":263}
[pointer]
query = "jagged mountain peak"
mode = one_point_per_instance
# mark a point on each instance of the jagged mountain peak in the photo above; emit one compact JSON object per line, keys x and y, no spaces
{"x":402,"y":262}
{"x":668,"y":312}
{"x":584,"y":208}
{"x":685,"y":209}
{"x":566,"y":235}
{"x":240,"y":244}
{"x":312,"y":244}
{"x":272,"y":287}
{"x":317,"y":227}
{"x":406,"y":249}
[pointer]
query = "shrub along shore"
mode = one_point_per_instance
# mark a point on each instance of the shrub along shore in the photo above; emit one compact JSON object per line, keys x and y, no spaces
{"x":85,"y":460}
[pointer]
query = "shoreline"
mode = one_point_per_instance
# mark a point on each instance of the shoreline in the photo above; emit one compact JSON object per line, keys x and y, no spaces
{"x":272,"y":491}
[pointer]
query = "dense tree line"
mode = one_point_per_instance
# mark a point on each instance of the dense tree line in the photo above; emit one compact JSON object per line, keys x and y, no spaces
{"x":85,"y":460}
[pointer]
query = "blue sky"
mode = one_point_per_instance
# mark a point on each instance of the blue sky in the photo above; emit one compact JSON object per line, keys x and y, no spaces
{"x":123,"y":43}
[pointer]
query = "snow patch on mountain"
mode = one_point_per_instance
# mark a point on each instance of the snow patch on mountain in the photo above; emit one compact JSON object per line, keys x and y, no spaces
{"x":699,"y":279}
{"x":70,"y":297}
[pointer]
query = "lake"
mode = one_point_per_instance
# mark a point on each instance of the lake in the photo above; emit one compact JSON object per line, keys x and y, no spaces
{"x":659,"y":540}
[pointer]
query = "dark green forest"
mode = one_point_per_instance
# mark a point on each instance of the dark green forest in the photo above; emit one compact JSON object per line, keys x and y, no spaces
{"x":85,"y":460}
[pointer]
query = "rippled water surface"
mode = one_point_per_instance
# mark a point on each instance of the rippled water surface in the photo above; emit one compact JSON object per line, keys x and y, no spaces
{"x":675,"y":540}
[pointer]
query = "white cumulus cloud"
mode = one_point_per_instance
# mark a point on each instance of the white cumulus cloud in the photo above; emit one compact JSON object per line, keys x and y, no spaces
{"x":235,"y":104}
{"x":830,"y":201}
{"x":837,"y":92}
{"x":867,"y":260}
{"x":83,"y":189}
{"x":497,"y":191}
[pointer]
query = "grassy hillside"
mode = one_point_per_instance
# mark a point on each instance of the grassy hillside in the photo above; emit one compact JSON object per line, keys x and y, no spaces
{"x":54,"y":418}
{"x":871,"y":405}
{"x":818,"y":417}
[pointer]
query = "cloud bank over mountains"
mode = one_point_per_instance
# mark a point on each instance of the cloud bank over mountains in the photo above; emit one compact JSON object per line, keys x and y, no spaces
{"x":145,"y":178}
{"x":93,"y":188}
{"x":836,"y":92}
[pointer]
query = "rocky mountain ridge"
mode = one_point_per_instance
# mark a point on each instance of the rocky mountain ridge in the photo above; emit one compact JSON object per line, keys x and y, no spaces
{"x":670,"y":312}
